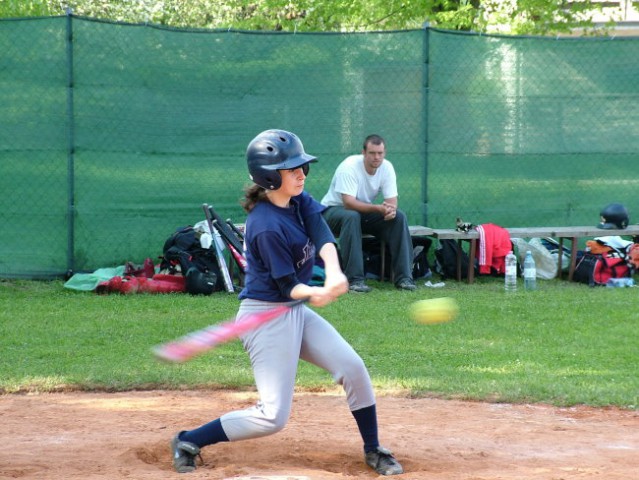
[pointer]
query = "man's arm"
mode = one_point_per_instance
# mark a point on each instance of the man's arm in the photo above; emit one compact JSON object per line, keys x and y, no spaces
{"x":351,"y":203}
{"x":386,"y":209}
{"x":391,"y":203}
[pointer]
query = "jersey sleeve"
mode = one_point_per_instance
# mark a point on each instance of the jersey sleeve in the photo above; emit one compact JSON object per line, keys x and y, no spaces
{"x":318,"y":231}
{"x":346,"y":181}
{"x":389,"y":185}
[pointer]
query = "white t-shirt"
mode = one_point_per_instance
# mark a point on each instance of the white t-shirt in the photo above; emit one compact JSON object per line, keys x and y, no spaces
{"x":352,"y":179}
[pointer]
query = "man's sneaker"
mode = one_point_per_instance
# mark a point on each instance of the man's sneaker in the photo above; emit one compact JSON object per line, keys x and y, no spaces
{"x":359,"y":287}
{"x":407,"y":284}
{"x":184,"y":454}
{"x":383,"y":462}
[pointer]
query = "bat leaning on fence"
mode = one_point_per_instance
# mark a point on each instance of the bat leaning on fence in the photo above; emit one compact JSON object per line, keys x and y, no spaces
{"x":229,"y":237}
{"x":224,"y":270}
{"x":227,"y":234}
{"x":233,"y":227}
{"x":200,"y":341}
{"x":237,"y":256}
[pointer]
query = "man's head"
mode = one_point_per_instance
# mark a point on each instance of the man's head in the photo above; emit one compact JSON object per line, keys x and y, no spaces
{"x":374,"y":151}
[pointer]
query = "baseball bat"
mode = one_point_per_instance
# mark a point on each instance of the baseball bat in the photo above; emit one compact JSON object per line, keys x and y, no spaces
{"x":225,"y":232}
{"x":237,"y":231}
{"x":200,"y":341}
{"x":224,"y":270}
{"x":237,"y":256}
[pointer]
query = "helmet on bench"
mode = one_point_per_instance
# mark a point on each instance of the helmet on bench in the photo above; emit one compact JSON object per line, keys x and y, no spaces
{"x":614,"y":216}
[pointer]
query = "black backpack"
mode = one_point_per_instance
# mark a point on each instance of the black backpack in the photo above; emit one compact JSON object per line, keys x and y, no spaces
{"x":182,"y":252}
{"x":371,"y":248}
{"x":421,"y":267}
{"x":446,"y":259}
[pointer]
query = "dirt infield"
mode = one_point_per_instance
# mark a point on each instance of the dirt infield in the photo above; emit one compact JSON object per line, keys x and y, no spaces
{"x":126,"y":435}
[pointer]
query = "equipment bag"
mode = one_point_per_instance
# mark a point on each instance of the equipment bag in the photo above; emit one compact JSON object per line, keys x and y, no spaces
{"x":183,"y":253}
{"x":371,"y":249}
{"x":597,"y":269}
{"x":421,"y":267}
{"x":446,"y":259}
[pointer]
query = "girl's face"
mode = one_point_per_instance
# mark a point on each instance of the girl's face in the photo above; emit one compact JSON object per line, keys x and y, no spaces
{"x":293,"y":180}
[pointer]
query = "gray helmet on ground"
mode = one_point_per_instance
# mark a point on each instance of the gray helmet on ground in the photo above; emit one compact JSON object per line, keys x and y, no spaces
{"x":614,"y":216}
{"x":274,"y":150}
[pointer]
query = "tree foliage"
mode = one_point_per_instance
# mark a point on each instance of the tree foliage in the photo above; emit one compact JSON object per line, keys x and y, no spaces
{"x":533,"y":17}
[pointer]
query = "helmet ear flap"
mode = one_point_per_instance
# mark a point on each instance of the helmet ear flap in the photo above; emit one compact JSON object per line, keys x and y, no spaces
{"x":271,"y":180}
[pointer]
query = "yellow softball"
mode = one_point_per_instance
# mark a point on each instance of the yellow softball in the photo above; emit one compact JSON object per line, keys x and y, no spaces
{"x":434,"y":310}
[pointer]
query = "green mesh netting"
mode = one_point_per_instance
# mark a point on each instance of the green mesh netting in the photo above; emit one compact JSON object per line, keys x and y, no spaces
{"x":530,"y":131}
{"x":113,"y":135}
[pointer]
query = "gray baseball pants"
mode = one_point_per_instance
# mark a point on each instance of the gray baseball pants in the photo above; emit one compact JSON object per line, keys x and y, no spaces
{"x":275,"y":350}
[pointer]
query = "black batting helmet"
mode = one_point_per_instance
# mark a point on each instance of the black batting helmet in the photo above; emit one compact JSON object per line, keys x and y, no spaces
{"x":614,"y":216}
{"x":199,"y":283}
{"x":274,"y":150}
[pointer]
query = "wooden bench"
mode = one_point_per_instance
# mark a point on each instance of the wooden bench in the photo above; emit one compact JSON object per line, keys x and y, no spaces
{"x":573,"y":234}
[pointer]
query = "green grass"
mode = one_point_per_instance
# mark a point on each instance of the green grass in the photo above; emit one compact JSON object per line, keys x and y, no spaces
{"x":563,"y":344}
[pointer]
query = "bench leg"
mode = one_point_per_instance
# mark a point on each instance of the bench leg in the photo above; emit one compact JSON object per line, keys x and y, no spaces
{"x":382,"y":256}
{"x":459,"y":260}
{"x":573,"y":257}
{"x":471,"y":260}
{"x":560,"y":256}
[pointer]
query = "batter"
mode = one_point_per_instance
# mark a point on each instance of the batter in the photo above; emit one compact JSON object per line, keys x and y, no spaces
{"x":285,"y":231}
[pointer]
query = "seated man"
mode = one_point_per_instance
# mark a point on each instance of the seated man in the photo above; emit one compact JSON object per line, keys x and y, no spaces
{"x":357,"y":182}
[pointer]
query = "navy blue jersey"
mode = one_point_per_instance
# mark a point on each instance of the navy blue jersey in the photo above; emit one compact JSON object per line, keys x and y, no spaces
{"x":277,"y":245}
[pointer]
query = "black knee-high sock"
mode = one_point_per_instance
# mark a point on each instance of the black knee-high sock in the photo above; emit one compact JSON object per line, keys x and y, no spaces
{"x":207,"y":434}
{"x":366,"y":419}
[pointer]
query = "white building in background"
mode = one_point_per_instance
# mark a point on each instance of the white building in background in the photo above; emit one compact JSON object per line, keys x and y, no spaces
{"x":613,"y":17}
{"x":622,"y":13}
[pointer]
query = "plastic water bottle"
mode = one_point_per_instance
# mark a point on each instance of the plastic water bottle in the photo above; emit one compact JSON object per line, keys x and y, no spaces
{"x":530,"y":272}
{"x":620,"y":282}
{"x":511,"y":272}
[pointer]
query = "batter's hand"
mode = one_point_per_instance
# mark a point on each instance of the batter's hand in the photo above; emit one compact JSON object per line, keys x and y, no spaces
{"x":321,"y":296}
{"x":336,"y":283}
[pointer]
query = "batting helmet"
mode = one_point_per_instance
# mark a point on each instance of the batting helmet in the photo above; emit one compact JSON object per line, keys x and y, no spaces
{"x":614,"y":216}
{"x":274,"y":150}
{"x":198,"y":282}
